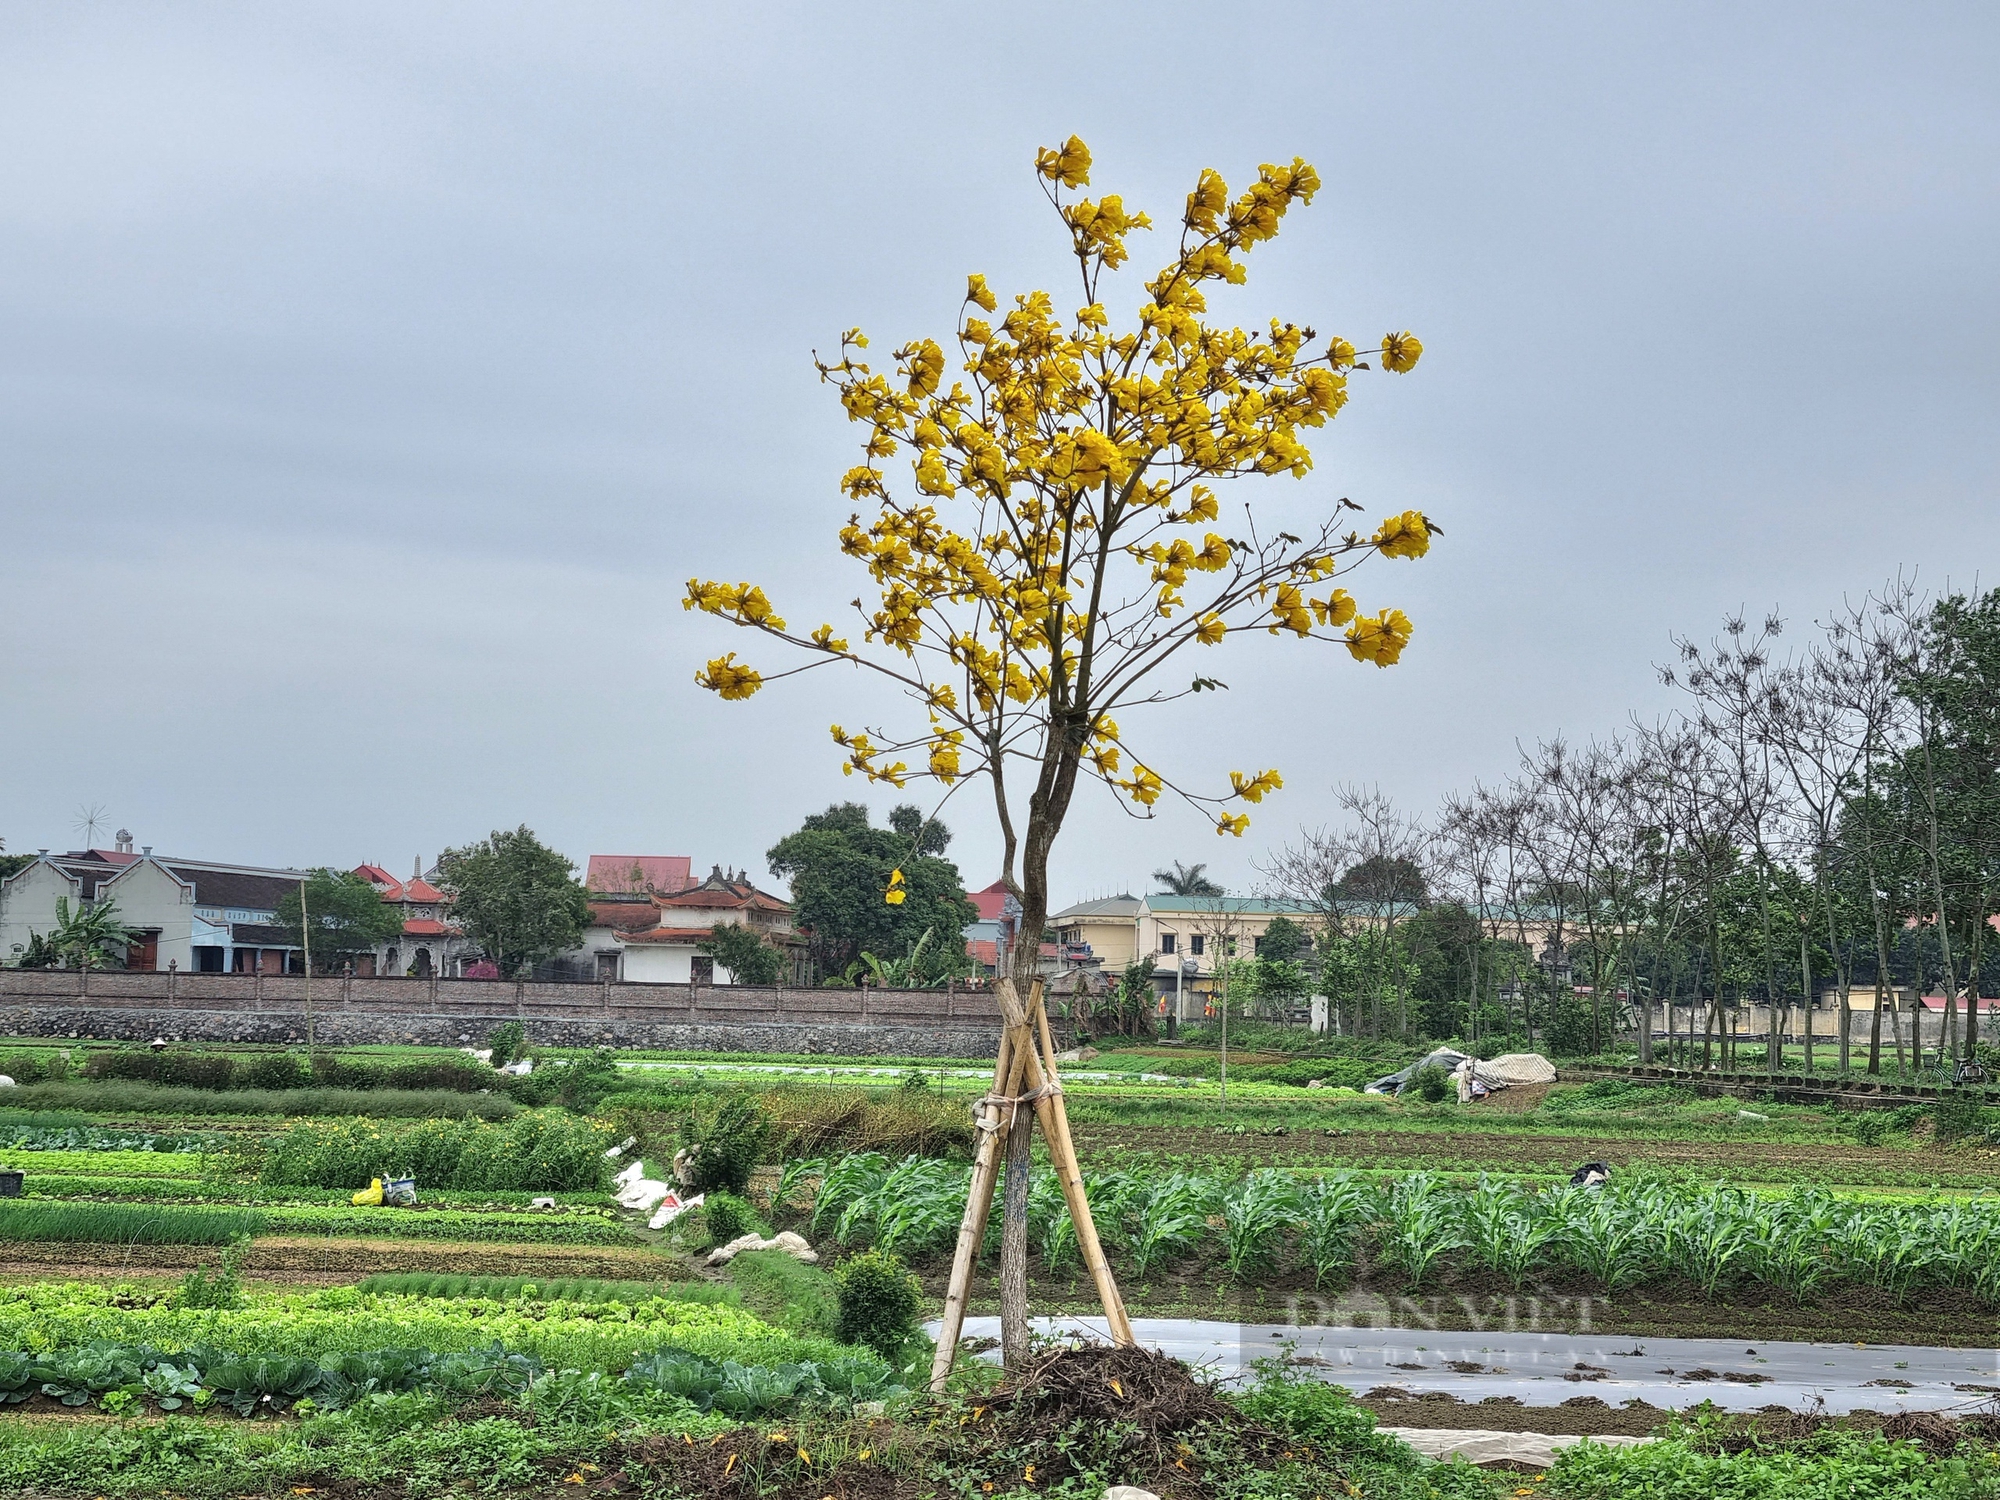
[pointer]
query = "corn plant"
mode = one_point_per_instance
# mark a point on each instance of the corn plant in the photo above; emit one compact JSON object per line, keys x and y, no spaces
{"x":1878,"y":1244}
{"x":1605,"y":1235}
{"x":1707,"y":1237}
{"x":845,"y":1183}
{"x":1255,"y":1214}
{"x":793,"y":1176}
{"x":1962,"y":1239}
{"x":1423,"y":1226}
{"x":1791,"y":1239}
{"x":1169,"y":1221}
{"x":918,"y":1205}
{"x":1507,"y":1229}
{"x":1331,"y":1213}
{"x":1049,"y":1223}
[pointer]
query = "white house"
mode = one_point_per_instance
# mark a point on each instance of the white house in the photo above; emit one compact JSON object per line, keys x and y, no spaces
{"x":193,"y":915}
{"x":653,"y":938}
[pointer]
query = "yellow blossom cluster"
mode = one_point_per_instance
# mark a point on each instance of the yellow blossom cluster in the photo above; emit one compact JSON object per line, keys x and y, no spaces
{"x":1059,"y":536}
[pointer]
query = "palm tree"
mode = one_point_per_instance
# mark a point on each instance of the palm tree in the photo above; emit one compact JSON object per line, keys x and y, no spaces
{"x":1187,"y":880}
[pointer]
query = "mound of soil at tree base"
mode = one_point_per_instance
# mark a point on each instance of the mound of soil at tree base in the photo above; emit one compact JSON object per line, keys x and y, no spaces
{"x":1129,"y":1413}
{"x":1132,"y":1413}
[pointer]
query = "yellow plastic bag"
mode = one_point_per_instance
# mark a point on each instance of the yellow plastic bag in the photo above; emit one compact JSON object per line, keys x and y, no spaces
{"x":370,"y":1196}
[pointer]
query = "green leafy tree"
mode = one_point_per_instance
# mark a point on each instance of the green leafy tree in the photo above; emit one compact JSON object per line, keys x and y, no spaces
{"x":514,"y":896}
{"x":838,"y":866}
{"x":1283,"y":941}
{"x":344,"y":918}
{"x":88,"y":935}
{"x":745,"y":954}
{"x":13,"y":864}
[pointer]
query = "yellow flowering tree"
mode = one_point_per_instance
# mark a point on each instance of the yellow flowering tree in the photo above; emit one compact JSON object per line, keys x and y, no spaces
{"x":1044,"y":533}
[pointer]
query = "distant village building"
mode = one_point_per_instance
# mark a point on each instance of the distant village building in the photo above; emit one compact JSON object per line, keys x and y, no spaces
{"x":430,"y":945}
{"x":652,"y":936}
{"x":197,"y":916}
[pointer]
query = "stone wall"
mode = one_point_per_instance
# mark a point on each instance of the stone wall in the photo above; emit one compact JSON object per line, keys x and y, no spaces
{"x":123,"y":1006}
{"x":833,"y":1038}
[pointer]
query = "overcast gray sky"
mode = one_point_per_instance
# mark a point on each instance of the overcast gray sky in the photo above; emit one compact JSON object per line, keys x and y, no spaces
{"x":373,"y":376}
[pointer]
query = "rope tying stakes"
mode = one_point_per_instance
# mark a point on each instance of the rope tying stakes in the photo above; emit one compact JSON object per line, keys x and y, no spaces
{"x":990,"y":1110}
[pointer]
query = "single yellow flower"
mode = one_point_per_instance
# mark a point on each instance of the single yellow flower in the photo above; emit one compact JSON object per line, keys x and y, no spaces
{"x":1400,"y":351}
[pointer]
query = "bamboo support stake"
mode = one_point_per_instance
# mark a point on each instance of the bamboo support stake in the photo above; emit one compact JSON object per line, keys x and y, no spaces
{"x":1007,"y":1070}
{"x":1062,"y":1147}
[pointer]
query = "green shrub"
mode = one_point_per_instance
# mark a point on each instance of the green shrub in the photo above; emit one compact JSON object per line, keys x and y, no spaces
{"x":222,"y":1291}
{"x":509,"y":1040}
{"x":727,"y":1217}
{"x":1871,"y":1127}
{"x":275,"y":1070}
{"x":49,"y":1066}
{"x":879,"y":1302}
{"x":1431,"y":1084}
{"x":579,"y":1086}
{"x":727,"y":1151}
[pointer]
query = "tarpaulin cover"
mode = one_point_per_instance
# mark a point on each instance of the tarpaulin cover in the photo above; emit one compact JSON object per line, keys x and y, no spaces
{"x":1511,"y":1070}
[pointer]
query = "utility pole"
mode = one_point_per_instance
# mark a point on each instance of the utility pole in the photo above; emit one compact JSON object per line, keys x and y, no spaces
{"x":306,"y":942}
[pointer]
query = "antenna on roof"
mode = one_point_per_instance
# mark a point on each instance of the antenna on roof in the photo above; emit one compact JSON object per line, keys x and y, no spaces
{"x":89,"y":818}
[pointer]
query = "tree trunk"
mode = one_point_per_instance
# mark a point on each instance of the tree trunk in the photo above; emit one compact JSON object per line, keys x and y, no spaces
{"x":1014,"y":1243}
{"x":1805,"y":988}
{"x":1972,"y":985}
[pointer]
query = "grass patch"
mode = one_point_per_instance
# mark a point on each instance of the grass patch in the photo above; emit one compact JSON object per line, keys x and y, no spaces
{"x":123,"y":1097}
{"x":126,"y":1223}
{"x":787,"y":1293}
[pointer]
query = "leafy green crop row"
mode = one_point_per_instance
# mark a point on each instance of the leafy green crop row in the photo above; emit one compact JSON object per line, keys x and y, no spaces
{"x":122,"y":1377}
{"x":544,"y":1289}
{"x":125,"y":1223}
{"x":542,"y":1150}
{"x":600,"y":1336}
{"x":571,"y":1226}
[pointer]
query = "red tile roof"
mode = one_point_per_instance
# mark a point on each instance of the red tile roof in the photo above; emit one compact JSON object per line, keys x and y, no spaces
{"x":625,"y":916}
{"x":724,"y":896}
{"x":637,"y":874}
{"x":992,"y":902}
{"x":424,"y":927}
